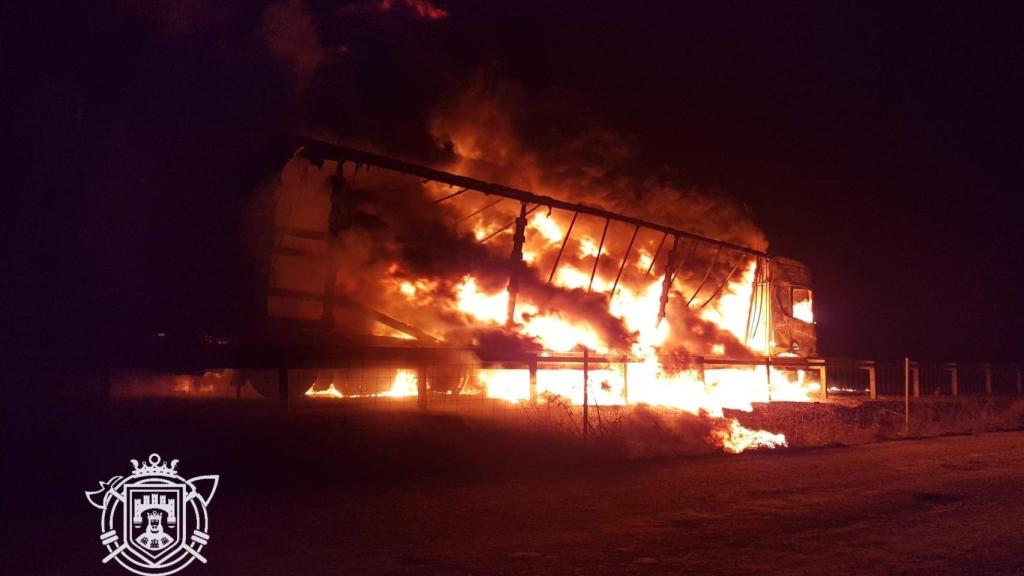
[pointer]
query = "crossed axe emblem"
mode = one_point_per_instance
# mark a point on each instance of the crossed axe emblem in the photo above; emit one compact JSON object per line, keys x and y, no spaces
{"x":198,"y":492}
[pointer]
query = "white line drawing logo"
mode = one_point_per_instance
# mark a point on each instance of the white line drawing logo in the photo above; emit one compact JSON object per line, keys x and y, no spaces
{"x":154,"y":522}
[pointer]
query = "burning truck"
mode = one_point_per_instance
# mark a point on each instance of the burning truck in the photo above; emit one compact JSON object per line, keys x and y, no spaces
{"x":523,"y":299}
{"x":389,"y":285}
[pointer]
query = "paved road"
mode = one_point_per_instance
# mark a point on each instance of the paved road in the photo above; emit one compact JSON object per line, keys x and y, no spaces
{"x":952,"y":505}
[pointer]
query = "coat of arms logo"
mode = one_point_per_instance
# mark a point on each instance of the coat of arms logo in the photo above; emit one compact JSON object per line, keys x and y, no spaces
{"x":153,"y":522}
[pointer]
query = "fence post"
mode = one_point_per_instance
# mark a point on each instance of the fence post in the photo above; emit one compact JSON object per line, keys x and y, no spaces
{"x":954,"y":381}
{"x":421,"y":387}
{"x":768,"y":372}
{"x":906,"y":393}
{"x":872,"y":382}
{"x":823,"y":378}
{"x":987,"y":368}
{"x":915,"y":375}
{"x":586,"y":409}
{"x":533,"y":380}
{"x":625,"y":380}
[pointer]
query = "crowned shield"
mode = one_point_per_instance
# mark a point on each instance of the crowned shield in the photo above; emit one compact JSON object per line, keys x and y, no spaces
{"x":153,"y":519}
{"x":154,"y":522}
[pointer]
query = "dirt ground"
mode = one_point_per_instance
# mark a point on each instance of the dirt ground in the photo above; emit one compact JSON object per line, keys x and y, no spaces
{"x":949,"y":505}
{"x":305,"y":496}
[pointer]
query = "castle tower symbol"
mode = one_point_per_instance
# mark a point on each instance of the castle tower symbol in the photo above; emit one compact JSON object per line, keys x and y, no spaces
{"x":150,"y":502}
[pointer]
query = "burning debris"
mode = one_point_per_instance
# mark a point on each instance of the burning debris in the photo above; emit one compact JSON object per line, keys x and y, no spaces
{"x":413,"y":254}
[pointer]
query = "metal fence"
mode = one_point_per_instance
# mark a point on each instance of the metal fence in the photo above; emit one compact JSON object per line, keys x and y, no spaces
{"x":587,"y":395}
{"x":552,"y":386}
{"x":940,"y":379}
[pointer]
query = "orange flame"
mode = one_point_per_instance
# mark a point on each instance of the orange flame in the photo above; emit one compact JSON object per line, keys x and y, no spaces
{"x":593,"y":262}
{"x":405,"y":384}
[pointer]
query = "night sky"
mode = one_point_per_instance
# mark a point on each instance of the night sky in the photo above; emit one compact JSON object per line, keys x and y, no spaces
{"x":878,"y":143}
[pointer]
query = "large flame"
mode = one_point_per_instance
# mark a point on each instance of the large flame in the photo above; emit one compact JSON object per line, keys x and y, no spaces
{"x":636,"y":302}
{"x":586,"y":284}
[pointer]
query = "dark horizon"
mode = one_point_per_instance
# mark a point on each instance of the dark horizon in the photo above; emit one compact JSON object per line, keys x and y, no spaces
{"x":877,"y":145}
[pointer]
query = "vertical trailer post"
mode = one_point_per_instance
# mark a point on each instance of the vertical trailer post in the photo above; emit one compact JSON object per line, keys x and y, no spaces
{"x":666,"y":282}
{"x":517,"y":259}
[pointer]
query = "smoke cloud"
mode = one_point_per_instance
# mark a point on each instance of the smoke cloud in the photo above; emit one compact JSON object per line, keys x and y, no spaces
{"x":408,"y":256}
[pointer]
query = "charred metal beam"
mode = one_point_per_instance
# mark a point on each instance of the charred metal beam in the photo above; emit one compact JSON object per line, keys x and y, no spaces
{"x":464,"y":218}
{"x":666,"y":282}
{"x":720,"y":286}
{"x":754,"y":310}
{"x":318,"y":150}
{"x":450,"y":196}
{"x":598,"y":257}
{"x":562,"y":249}
{"x":683,"y":260}
{"x":707,"y":274}
{"x":656,"y":254}
{"x":518,"y":239}
{"x":594,"y":360}
{"x":507,"y":226}
{"x":623,"y":265}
